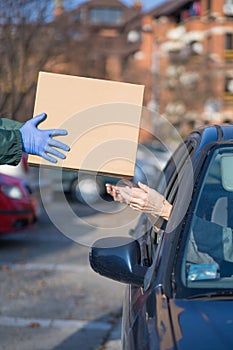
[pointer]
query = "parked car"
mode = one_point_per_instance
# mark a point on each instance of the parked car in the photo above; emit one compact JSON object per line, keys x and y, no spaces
{"x":89,"y":188}
{"x":35,"y":178}
{"x":17,"y":204}
{"x":179,"y":274}
{"x":151,"y":159}
{"x":20,"y":171}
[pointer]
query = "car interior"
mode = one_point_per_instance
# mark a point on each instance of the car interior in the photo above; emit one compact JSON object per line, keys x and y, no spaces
{"x":208,"y":260}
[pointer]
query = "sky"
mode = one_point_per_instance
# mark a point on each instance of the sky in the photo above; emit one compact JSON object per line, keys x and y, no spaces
{"x":147,"y":4}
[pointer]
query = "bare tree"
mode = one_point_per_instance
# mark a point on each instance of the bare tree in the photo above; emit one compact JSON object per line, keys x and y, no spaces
{"x":27,"y":44}
{"x":32,"y":39}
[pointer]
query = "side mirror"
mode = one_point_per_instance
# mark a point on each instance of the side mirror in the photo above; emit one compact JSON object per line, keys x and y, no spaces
{"x":118,"y":258}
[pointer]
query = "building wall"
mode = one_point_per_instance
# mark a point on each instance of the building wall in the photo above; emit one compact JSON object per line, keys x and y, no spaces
{"x":209,"y":64}
{"x":160,"y":60}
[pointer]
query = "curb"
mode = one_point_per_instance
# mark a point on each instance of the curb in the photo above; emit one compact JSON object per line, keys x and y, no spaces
{"x":114,"y":340}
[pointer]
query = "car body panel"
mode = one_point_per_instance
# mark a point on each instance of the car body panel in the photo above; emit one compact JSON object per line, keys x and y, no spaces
{"x":202,"y":324}
{"x":16,"y":213}
{"x":152,"y":307}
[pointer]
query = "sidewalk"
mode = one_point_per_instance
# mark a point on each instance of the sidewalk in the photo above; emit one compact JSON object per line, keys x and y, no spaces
{"x":114,"y":340}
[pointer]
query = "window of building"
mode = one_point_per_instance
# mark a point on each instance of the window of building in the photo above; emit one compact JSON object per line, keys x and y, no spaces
{"x":105,"y":15}
{"x":228,"y":8}
{"x":228,"y":2}
{"x":228,"y":54}
{"x":80,"y":15}
{"x":208,"y":5}
{"x":229,"y":85}
{"x":192,"y":10}
{"x":229,"y":41}
{"x":228,"y":88}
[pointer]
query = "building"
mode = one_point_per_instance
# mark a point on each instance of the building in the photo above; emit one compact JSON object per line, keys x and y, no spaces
{"x":181,"y":50}
{"x":192,"y":59}
{"x":105,"y":35}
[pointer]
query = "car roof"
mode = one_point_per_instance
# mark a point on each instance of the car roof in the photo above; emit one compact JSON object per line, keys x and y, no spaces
{"x":211,"y":133}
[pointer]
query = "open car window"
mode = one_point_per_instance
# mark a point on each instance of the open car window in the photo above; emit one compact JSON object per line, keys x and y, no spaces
{"x":147,"y":233}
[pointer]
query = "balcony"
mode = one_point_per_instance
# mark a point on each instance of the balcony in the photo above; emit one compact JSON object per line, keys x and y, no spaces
{"x":228,"y":55}
{"x":228,"y":97}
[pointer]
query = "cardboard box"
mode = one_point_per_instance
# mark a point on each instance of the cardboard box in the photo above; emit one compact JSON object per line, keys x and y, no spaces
{"x":102,"y":119}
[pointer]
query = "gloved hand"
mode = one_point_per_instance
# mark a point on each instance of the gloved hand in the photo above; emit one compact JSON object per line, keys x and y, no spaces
{"x":41,"y":142}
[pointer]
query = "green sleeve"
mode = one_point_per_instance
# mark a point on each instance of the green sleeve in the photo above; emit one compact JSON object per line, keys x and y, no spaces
{"x":9,"y":124}
{"x":10,"y":142}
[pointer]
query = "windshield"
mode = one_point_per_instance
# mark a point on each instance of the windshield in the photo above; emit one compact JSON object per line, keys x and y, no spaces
{"x":208,"y":257}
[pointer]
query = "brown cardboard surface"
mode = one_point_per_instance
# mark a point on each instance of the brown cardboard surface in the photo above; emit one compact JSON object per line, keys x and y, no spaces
{"x":102,"y":119}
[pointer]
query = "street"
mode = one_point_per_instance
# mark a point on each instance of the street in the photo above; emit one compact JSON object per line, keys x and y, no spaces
{"x":50,"y":299}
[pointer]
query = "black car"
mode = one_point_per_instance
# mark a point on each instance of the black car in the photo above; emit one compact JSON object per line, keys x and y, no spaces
{"x":179,"y":274}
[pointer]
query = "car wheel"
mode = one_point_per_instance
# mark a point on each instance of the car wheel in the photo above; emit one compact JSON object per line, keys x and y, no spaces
{"x":87,"y":189}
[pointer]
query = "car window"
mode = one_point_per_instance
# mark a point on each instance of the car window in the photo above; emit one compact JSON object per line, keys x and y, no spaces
{"x":208,"y":258}
{"x":173,"y":172}
{"x":168,"y":186}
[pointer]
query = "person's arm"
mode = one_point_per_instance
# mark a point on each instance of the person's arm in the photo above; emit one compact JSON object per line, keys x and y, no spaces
{"x":213,"y":239}
{"x":42,"y":142}
{"x":141,"y":198}
{"x":10,"y":147}
{"x":16,"y":137}
{"x":9,"y":124}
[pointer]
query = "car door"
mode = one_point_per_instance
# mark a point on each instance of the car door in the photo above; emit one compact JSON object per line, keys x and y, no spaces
{"x":142,"y":305}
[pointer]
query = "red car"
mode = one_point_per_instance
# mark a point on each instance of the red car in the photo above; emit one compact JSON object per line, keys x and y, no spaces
{"x":17,"y":205}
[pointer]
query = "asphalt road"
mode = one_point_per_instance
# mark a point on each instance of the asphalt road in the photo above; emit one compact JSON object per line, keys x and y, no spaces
{"x":50,"y":299}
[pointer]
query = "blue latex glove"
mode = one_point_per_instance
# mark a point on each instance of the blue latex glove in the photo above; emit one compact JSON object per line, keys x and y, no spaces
{"x":41,"y":142}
